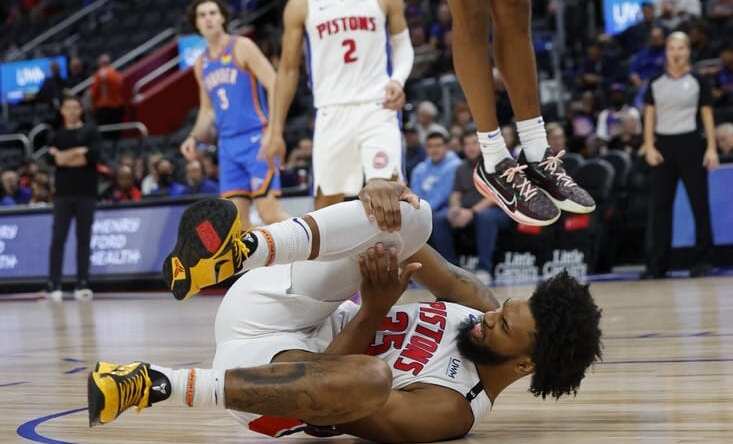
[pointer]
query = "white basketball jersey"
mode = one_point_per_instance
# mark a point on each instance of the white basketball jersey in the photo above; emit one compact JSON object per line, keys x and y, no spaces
{"x":346,"y":51}
{"x":419,"y":342}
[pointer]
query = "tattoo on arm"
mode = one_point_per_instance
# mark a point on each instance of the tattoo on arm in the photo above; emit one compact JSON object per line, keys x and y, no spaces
{"x":470,"y":291}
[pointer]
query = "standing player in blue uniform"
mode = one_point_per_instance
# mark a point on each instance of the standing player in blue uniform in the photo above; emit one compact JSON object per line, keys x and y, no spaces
{"x":233,"y":75}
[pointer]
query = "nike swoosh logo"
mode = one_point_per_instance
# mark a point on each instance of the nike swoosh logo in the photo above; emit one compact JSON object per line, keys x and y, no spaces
{"x":509,"y":204}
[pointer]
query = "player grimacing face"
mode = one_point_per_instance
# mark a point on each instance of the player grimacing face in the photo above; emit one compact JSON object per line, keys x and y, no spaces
{"x":500,"y":336}
{"x":209,"y":19}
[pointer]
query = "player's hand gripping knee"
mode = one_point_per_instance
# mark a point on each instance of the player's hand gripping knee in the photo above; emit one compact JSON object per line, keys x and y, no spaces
{"x":382,"y":283}
{"x":381,"y":200}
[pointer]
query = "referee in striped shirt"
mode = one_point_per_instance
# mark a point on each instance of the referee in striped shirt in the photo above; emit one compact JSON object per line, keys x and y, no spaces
{"x":677,"y":101}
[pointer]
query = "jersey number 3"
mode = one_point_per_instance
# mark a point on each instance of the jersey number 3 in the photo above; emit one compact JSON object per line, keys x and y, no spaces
{"x":223,"y":99}
{"x":349,"y":55}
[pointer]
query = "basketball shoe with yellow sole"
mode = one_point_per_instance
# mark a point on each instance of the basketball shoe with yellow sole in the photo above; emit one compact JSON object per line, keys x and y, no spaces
{"x":113,"y":388}
{"x":210,"y":247}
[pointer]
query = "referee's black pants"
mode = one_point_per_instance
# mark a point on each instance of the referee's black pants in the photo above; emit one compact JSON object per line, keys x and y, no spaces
{"x":683,"y":158}
{"x":66,"y":208}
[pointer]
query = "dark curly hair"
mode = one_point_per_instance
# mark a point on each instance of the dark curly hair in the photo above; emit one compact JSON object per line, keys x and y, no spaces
{"x":568,"y":339}
{"x":191,"y":12}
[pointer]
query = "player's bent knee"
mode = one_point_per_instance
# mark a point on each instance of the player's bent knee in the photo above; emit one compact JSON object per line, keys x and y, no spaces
{"x":418,"y":222}
{"x":372,"y":380}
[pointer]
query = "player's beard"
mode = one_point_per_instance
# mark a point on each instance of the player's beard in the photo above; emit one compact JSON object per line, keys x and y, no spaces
{"x":476,"y":353}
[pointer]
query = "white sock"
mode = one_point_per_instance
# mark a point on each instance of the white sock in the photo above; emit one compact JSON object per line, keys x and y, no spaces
{"x":533,"y":137}
{"x":493,"y":148}
{"x":281,"y":243}
{"x":195,"y":387}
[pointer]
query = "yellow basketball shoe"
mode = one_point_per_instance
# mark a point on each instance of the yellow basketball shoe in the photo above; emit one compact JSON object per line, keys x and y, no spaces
{"x":210,"y":247}
{"x":112,"y":389}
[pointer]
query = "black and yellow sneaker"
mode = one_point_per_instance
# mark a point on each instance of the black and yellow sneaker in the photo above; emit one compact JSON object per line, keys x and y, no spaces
{"x":210,"y":247}
{"x":113,"y":388}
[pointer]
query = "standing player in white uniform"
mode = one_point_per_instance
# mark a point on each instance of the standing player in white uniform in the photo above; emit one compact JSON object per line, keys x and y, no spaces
{"x":288,"y":345}
{"x":357,"y":88}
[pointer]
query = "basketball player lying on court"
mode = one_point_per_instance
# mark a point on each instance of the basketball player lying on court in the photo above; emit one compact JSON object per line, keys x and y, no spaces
{"x":294,"y":354}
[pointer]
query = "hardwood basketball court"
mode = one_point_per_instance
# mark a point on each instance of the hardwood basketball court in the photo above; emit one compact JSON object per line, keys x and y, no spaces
{"x":667,"y":375}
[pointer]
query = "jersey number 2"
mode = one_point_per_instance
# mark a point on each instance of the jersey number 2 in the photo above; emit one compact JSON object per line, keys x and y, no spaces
{"x":349,"y":55}
{"x":223,"y":99}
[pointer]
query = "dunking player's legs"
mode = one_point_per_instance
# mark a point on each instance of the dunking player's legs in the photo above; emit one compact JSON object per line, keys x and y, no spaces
{"x":514,"y":56}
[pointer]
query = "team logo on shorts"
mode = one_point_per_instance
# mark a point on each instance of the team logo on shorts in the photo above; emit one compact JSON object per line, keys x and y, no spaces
{"x":178,"y":271}
{"x":381,"y":160}
{"x":256,"y":183}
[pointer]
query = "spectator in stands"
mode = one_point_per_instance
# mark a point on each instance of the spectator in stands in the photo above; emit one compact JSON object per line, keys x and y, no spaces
{"x":425,"y":54}
{"x":556,"y":137}
{"x":426,"y":115}
{"x":597,"y":69}
{"x":469,"y":211}
{"x":76,"y":72}
{"x":444,"y":62}
{"x":723,"y":90}
{"x":27,"y":172}
{"x":52,"y":88}
{"x":149,"y":183}
{"x":210,"y":161}
{"x":301,"y":157}
{"x":701,"y":47}
{"x":462,"y":117}
{"x":724,"y":135}
{"x":720,"y":9}
{"x":414,"y":150}
{"x":668,"y":18}
{"x":689,"y":8}
{"x":649,"y":62}
{"x":13,"y":193}
{"x":630,"y":138}
{"x":441,"y":25}
{"x":634,"y":37}
{"x":107,"y":93}
{"x":40,"y":194}
{"x":125,"y":189}
{"x":432,"y":179}
{"x":74,"y":151}
{"x":196,"y":182}
{"x":167,"y":185}
{"x":609,"y":120}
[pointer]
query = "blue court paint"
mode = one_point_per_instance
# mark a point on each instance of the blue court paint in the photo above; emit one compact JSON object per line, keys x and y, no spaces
{"x":75,"y":370}
{"x":27,"y":430}
{"x":10,"y":384}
